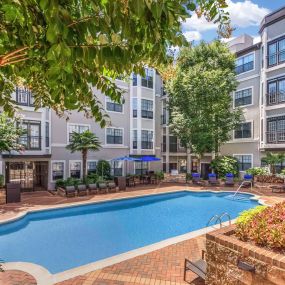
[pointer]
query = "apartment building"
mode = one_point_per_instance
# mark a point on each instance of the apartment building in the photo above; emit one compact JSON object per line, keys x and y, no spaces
{"x":132,"y":131}
{"x":260,"y":69}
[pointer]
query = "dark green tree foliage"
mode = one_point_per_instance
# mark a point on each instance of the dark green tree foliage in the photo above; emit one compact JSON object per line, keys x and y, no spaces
{"x":103,"y":169}
{"x":225,"y":164}
{"x":200,"y":97}
{"x":59,"y":48}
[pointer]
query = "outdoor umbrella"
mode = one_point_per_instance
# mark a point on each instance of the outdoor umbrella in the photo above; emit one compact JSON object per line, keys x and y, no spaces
{"x":126,"y":158}
{"x":148,"y":159}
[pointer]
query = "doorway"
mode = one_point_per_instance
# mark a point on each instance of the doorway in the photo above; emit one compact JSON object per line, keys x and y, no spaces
{"x":205,"y":170}
{"x":31,"y":175}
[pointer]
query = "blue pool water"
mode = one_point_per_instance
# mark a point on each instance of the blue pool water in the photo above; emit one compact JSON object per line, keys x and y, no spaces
{"x":65,"y":238}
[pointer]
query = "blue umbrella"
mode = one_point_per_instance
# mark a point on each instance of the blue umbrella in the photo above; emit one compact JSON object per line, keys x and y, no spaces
{"x":148,"y":159}
{"x":125,"y":158}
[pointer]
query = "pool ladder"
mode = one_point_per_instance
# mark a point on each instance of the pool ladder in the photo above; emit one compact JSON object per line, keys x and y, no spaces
{"x":216,"y":218}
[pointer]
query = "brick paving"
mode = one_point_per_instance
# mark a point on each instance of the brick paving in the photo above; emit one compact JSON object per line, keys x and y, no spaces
{"x":160,"y":267}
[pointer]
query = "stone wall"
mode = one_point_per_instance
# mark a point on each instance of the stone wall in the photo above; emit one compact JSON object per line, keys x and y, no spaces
{"x":2,"y":196}
{"x":223,"y":253}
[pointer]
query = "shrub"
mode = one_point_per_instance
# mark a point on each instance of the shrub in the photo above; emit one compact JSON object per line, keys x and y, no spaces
{"x":70,"y":181}
{"x":159,"y":175}
{"x":265,"y":226}
{"x":103,"y":169}
{"x":92,"y":178}
{"x":60,"y":183}
{"x":1,"y":180}
{"x":257,"y":171}
{"x":225,"y":164}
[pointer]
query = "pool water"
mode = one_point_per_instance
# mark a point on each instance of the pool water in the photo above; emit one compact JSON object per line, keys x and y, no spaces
{"x":65,"y":238}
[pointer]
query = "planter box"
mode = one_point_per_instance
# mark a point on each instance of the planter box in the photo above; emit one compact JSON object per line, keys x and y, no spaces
{"x":231,"y":261}
{"x":2,"y":196}
{"x":268,"y":179}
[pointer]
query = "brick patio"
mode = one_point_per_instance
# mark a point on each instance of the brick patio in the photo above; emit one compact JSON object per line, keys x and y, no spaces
{"x":160,"y":267}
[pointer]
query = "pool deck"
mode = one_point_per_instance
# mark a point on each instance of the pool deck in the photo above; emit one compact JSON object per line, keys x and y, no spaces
{"x":160,"y":267}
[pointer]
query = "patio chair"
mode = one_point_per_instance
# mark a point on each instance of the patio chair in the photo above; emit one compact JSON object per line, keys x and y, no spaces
{"x":247,"y":181}
{"x":70,"y":191}
{"x":81,"y":190}
{"x":278,"y":189}
{"x":196,"y":178}
{"x":102,"y":187}
{"x":213,"y":179}
{"x":112,"y":187}
{"x":131,"y":181}
{"x":229,"y":180}
{"x":199,"y":267}
{"x":92,"y":189}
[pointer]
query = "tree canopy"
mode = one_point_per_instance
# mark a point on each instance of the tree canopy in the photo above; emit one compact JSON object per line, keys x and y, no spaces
{"x":10,"y":132}
{"x":200,"y":97}
{"x":59,"y":49}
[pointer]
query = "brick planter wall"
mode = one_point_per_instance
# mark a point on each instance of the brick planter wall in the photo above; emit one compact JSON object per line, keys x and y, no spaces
{"x":2,"y":196}
{"x":223,"y":253}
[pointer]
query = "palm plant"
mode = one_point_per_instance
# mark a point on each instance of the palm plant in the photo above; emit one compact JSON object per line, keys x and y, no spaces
{"x":84,"y":142}
{"x":272,"y":159}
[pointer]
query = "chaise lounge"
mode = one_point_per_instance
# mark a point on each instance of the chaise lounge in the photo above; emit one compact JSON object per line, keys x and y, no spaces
{"x":199,"y":267}
{"x":213,"y":179}
{"x":196,"y":179}
{"x":70,"y":191}
{"x":229,"y":180}
{"x":81,"y":190}
{"x":102,"y":187}
{"x":92,"y":189}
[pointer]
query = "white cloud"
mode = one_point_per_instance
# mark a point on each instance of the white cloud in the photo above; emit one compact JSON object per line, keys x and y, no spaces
{"x":256,"y":39}
{"x":192,"y":36}
{"x":242,"y":14}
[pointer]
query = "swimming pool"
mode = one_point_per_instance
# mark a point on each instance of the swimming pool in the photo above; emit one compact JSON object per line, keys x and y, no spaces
{"x":65,"y":238}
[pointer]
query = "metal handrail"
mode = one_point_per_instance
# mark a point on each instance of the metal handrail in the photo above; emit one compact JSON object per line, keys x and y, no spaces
{"x":217,"y":218}
{"x":245,"y":181}
{"x":227,"y":215}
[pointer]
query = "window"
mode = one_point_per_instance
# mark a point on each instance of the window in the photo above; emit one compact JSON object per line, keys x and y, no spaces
{"x":147,"y":139}
{"x":75,"y":169}
{"x":147,"y":81}
{"x":276,"y":130}
{"x":172,"y":144}
{"x":24,"y":96}
{"x":113,"y":106}
{"x":135,"y":80}
{"x":47,"y":134}
{"x":117,"y":168}
{"x":74,"y":128}
{"x":57,"y":170}
{"x":164,"y":144}
{"x":135,"y":139}
{"x":135,"y":107}
{"x":114,"y":136}
{"x":244,"y":161}
{"x":141,"y":167}
{"x":31,"y":140}
{"x":91,"y":167}
{"x":147,"y":109}
{"x":243,"y":131}
{"x":262,"y":56}
{"x":243,"y":97}
{"x":276,"y":91}
{"x":244,"y":63}
{"x":276,"y":52}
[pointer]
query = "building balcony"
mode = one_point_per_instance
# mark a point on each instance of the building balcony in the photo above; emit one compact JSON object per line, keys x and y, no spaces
{"x":276,"y":137}
{"x":275,"y":98}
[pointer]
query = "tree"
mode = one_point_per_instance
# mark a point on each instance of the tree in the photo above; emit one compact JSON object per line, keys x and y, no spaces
{"x":60,"y":49}
{"x":103,"y":169}
{"x":84,"y":142}
{"x":225,"y":164}
{"x":10,"y":133}
{"x":272,"y":159}
{"x":199,"y":97}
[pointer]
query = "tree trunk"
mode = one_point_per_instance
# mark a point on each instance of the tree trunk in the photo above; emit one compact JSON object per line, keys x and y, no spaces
{"x":84,"y":161}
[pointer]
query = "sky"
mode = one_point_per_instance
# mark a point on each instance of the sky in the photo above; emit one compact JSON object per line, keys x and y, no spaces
{"x":245,"y":15}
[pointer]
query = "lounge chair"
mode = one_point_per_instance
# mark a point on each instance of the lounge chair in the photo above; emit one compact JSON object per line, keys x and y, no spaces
{"x":81,"y":190}
{"x":213,"y":179}
{"x":229,"y":180}
{"x":92,"y":188}
{"x":70,"y":191}
{"x":102,"y":187}
{"x":196,"y":178}
{"x":247,"y":181}
{"x":278,"y":189}
{"x":199,"y":267}
{"x":112,"y":187}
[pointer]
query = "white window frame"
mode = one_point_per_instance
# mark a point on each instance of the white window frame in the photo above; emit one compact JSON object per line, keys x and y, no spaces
{"x":108,"y":99}
{"x":90,"y":160}
{"x":123,"y":133}
{"x":244,"y":139}
{"x":75,"y":124}
{"x":81,"y":166}
{"x":153,"y":108}
{"x":243,"y":154}
{"x":64,"y":169}
{"x":238,"y":90}
{"x":153,"y":135}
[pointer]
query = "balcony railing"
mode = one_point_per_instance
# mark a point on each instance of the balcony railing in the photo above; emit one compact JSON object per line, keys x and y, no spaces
{"x":275,"y":98}
{"x":276,"y":137}
{"x":31,"y":142}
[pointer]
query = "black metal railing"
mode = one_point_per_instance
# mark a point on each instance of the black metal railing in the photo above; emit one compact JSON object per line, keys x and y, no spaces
{"x":31,"y":142}
{"x":276,"y":137}
{"x":275,"y":98}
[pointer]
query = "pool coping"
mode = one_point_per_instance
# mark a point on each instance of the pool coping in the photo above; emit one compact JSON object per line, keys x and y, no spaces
{"x":44,"y":277}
